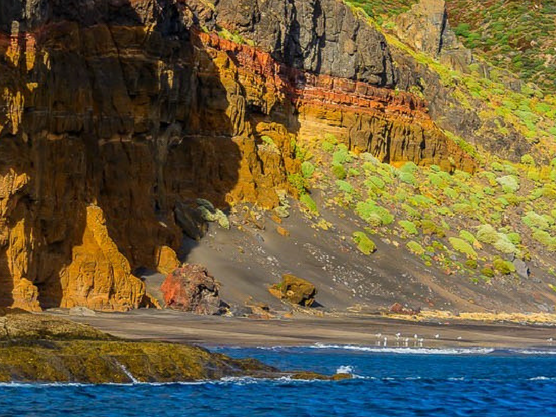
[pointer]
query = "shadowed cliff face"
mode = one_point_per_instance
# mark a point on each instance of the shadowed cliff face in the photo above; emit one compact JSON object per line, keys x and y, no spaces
{"x":114,"y":112}
{"x":106,"y":125}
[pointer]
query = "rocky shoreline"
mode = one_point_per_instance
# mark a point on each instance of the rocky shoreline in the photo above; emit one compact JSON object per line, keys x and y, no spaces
{"x":48,"y":349}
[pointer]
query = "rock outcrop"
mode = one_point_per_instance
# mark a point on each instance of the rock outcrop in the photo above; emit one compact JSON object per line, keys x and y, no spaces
{"x":191,"y":288}
{"x":43,"y":348}
{"x":426,"y":28}
{"x":48,"y":349}
{"x":295,"y":290}
{"x":114,"y":113}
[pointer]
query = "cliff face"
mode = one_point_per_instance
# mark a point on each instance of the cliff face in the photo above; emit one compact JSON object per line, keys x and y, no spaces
{"x":112,"y":112}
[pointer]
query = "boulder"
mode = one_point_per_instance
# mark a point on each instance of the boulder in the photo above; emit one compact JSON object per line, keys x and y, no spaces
{"x":190,"y":220}
{"x":191,"y":288}
{"x":521,"y":268}
{"x":397,"y":308}
{"x":295,"y":290}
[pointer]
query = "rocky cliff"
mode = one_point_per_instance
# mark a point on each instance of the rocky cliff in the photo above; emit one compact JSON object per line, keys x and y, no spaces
{"x":114,"y":112}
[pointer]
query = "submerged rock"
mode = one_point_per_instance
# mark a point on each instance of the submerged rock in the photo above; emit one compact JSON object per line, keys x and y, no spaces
{"x":191,"y":288}
{"x":295,"y":290}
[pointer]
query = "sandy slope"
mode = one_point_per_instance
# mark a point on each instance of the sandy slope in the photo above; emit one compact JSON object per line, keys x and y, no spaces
{"x":253,"y":255}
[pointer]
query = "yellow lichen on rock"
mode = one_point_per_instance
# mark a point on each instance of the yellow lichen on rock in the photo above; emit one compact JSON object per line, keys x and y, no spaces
{"x":99,"y":276}
{"x":167,"y":260}
{"x":26,"y":295}
{"x":14,"y":103}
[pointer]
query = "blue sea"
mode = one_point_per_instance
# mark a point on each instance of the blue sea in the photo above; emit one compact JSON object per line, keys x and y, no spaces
{"x":388,"y":382}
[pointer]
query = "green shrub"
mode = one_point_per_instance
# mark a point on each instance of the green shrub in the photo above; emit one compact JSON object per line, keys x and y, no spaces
{"x":409,"y":167}
{"x":503,"y":267}
{"x":373,"y":214}
{"x":364,"y":244}
{"x":419,"y":200}
{"x":463,"y":208}
{"x":374,"y":181}
{"x":431,"y":228}
{"x":298,"y":182}
{"x":509,"y":183}
{"x":487,"y":234}
{"x":545,"y":239}
{"x":339,"y":172}
{"x":307,"y":169}
{"x":341,"y":156}
{"x":411,"y":212}
{"x":467,"y":236}
{"x":471,"y":264}
{"x":527,"y":160}
{"x":345,"y":186}
{"x":534,"y":220}
{"x":488,"y":191}
{"x":451,"y":193}
{"x":309,"y":203}
{"x":487,"y":272}
{"x":496,"y":166}
{"x":437,"y":180}
{"x":415,"y":248}
{"x":462,"y":246}
{"x":407,"y":178}
{"x":328,"y":147}
{"x":549,"y":191}
{"x":515,"y":238}
{"x":409,"y":227}
{"x":504,"y":245}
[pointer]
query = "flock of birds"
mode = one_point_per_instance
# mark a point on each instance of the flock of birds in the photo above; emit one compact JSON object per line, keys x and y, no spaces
{"x":417,"y":341}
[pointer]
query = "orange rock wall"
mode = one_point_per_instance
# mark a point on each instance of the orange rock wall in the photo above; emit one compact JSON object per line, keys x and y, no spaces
{"x":104,"y":128}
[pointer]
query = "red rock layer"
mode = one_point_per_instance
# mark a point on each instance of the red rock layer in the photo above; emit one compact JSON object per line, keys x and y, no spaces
{"x":394,"y":126}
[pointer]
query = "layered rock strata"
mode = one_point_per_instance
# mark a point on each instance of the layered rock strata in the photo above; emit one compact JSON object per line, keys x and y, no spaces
{"x":113,"y":113}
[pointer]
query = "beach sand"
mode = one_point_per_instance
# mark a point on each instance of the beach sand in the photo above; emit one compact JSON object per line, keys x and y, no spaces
{"x":303,"y":330}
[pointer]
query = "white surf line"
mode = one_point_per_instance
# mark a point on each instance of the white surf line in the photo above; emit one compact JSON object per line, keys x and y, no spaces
{"x":126,"y":371}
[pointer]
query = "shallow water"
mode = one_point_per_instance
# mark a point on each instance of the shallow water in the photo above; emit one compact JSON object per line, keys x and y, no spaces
{"x":397,"y":382}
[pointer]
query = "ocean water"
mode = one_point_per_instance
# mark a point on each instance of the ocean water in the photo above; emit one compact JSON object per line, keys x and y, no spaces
{"x":393,"y":382}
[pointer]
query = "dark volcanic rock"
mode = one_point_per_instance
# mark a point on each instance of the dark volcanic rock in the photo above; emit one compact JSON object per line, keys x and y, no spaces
{"x":320,"y":36}
{"x":190,"y":220}
{"x":191,"y":288}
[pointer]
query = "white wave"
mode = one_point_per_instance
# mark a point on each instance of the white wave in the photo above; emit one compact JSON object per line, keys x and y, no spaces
{"x":532,"y":351}
{"x":42,"y":384}
{"x":345,"y":369}
{"x":127,"y":373}
{"x":410,"y":351}
{"x":542,"y":378}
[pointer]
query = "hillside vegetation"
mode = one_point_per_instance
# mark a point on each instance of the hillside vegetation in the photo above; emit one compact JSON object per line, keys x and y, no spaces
{"x":518,"y":36}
